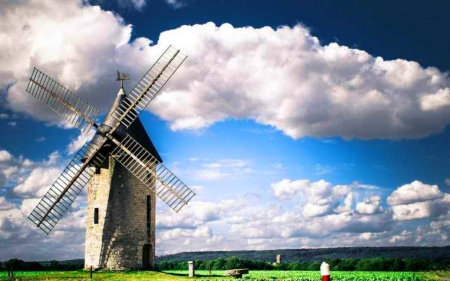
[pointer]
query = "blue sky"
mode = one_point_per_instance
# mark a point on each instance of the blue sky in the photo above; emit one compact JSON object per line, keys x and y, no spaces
{"x":287,"y":116}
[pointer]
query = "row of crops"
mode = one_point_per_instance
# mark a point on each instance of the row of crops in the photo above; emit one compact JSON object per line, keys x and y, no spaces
{"x":312,"y":275}
{"x":336,"y":276}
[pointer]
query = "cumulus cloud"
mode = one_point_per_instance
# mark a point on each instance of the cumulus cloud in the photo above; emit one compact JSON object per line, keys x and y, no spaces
{"x":38,"y":182}
{"x":314,"y":90}
{"x":197,"y":214}
{"x":5,"y":156}
{"x":320,"y":197}
{"x":418,"y":200}
{"x":370,"y":206}
{"x":414,"y":192}
{"x":27,"y":178}
{"x":23,"y":181}
{"x":78,"y":45}
{"x":11,"y":167}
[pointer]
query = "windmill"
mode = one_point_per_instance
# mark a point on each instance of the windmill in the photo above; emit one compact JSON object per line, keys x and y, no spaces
{"x":121,"y":167}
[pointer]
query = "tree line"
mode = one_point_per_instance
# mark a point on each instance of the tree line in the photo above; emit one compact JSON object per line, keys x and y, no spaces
{"x":20,"y":265}
{"x":373,"y":264}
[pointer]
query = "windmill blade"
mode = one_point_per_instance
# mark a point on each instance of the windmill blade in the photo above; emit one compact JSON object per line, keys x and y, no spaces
{"x":68,"y":105}
{"x":152,"y":173}
{"x":149,"y":86}
{"x":66,"y":188}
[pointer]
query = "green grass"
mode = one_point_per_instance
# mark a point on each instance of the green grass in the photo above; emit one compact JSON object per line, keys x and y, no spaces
{"x":219,"y":275}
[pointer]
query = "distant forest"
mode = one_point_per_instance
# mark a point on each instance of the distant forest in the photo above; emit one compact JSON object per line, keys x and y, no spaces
{"x":374,"y":264}
{"x":318,"y":255}
{"x":345,"y":259}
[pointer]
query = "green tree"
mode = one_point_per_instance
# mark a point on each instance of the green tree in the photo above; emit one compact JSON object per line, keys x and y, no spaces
{"x":219,"y":264}
{"x":233,"y":263}
{"x":15,"y":264}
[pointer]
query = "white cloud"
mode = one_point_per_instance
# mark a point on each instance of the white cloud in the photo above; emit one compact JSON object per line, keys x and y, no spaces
{"x":420,"y":210}
{"x":316,"y":191}
{"x":287,"y":189}
{"x":371,"y":205}
{"x":414,"y":192}
{"x":314,"y":90}
{"x":348,"y":204}
{"x":52,"y":158}
{"x":5,"y":205}
{"x":3,"y":116}
{"x":78,"y":143}
{"x":437,"y":101}
{"x":418,"y":200}
{"x":404,"y":236}
{"x":176,"y":4}
{"x":321,"y":198}
{"x":195,"y":214}
{"x":40,"y":139}
{"x":5,"y":156}
{"x":38,"y":182}
{"x":86,"y":47}
{"x":371,"y":236}
{"x":12,"y":168}
{"x":12,"y":124}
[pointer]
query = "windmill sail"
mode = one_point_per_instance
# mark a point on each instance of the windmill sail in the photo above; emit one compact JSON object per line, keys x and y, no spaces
{"x":152,"y":173}
{"x":66,"y":188}
{"x":68,"y":105}
{"x":149,"y":86}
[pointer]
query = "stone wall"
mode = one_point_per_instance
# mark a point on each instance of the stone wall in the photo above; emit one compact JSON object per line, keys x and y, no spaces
{"x":117,"y":241}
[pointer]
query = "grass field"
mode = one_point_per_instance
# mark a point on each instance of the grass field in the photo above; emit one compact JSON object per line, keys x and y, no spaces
{"x":219,"y":275}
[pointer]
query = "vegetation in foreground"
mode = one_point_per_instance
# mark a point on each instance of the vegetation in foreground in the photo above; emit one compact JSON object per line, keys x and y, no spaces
{"x":255,"y":275}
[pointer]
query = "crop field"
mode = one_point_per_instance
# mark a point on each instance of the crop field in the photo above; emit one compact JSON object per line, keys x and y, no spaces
{"x":254,"y":275}
{"x":260,"y":275}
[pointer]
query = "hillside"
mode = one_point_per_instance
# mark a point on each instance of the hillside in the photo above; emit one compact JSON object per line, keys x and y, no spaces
{"x":309,"y":255}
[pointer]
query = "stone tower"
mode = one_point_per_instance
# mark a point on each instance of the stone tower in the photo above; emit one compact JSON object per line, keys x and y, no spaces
{"x":120,"y":223}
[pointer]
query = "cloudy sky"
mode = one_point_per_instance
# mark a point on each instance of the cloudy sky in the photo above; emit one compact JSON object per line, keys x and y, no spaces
{"x":311,"y":124}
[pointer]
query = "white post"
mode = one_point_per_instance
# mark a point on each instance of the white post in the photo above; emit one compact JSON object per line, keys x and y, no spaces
{"x":325,"y":271}
{"x":191,"y":269}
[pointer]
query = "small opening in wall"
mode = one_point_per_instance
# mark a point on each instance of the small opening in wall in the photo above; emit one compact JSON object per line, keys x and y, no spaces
{"x":96,"y":216}
{"x":149,"y":210}
{"x":97,"y":171}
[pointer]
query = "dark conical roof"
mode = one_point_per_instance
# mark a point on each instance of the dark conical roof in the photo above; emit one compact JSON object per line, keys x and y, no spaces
{"x":138,"y":132}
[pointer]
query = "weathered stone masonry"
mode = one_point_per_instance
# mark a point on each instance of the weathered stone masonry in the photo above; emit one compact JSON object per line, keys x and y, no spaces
{"x":120,"y":240}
